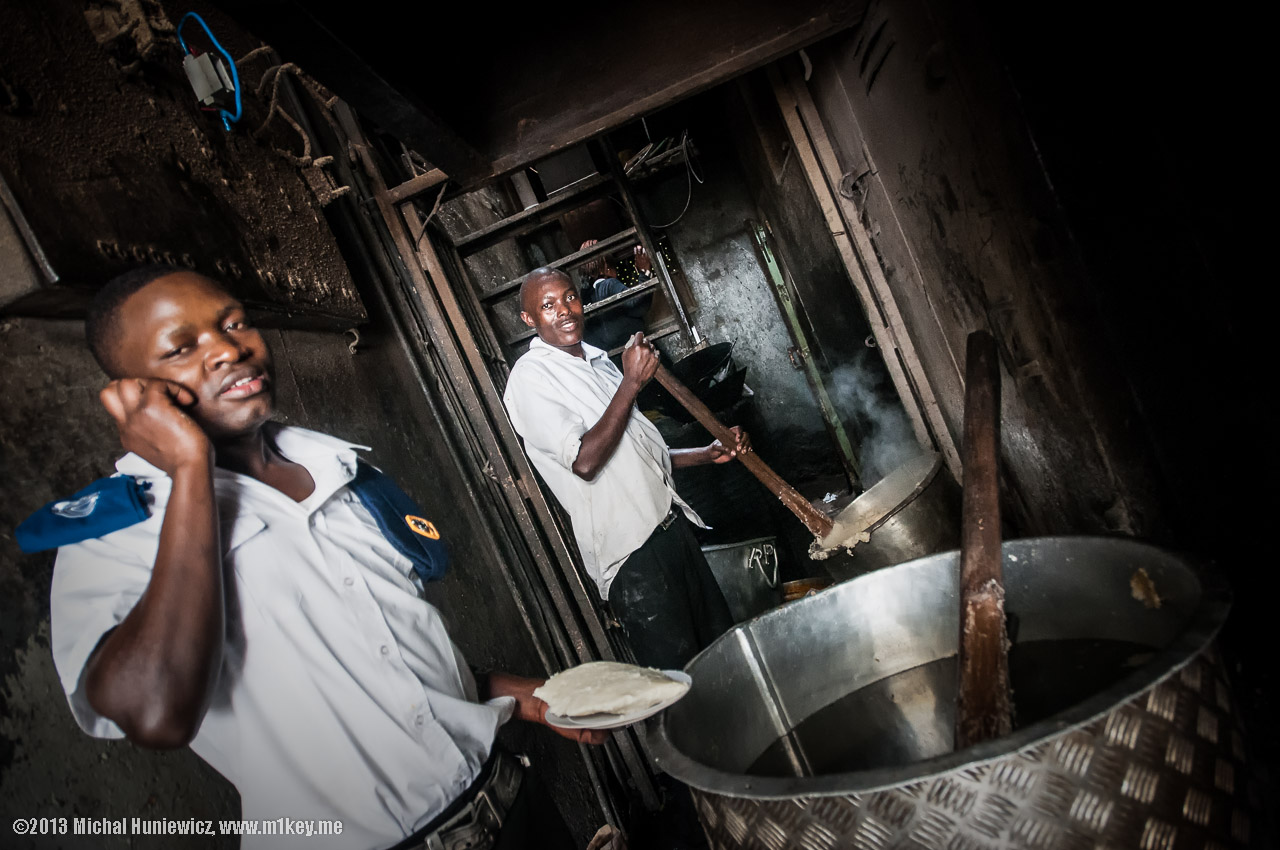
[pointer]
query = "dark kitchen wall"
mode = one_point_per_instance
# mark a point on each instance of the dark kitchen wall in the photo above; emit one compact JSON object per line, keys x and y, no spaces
{"x":968,"y":235}
{"x":707,"y":214}
{"x":114,"y":163}
{"x":54,"y":437}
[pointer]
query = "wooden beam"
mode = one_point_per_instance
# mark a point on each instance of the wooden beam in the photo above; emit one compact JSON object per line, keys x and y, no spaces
{"x":531,"y":219}
{"x":821,"y":166}
{"x":415,"y":186}
{"x":632,"y":292}
{"x":659,"y":52}
{"x":650,"y":244}
{"x":476,"y":318}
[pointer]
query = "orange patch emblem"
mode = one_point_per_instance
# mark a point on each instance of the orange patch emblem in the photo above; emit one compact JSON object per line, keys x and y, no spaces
{"x":418,"y":525}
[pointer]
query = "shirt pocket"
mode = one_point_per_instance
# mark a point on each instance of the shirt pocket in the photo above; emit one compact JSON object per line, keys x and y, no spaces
{"x":264,"y":569}
{"x":236,"y":532}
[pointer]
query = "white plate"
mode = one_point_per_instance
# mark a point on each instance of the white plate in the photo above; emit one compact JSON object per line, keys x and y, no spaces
{"x":615,"y":721}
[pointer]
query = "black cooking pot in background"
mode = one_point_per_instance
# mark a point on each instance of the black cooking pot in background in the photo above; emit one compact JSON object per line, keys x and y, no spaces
{"x":703,"y":367}
{"x":709,"y":373}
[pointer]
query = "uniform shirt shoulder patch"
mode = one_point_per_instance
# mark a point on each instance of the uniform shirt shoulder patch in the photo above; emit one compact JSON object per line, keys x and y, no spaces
{"x":418,"y":525}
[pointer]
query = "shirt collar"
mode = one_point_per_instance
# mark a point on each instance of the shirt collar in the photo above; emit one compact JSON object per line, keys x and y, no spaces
{"x":589,"y":350}
{"x":300,"y":445}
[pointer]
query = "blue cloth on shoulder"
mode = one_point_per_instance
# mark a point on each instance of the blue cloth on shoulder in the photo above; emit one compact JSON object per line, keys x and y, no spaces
{"x":106,"y":505}
{"x":400,"y":520}
{"x":110,"y":504}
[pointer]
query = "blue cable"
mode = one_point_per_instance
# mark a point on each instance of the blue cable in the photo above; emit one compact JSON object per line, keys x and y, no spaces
{"x":227,"y":117}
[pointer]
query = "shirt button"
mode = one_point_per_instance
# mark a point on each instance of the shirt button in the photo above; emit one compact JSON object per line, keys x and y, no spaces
{"x":348,"y":581}
{"x":419,"y":720}
{"x":385,"y":650}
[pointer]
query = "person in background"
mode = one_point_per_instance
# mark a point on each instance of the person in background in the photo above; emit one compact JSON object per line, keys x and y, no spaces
{"x":610,"y":329}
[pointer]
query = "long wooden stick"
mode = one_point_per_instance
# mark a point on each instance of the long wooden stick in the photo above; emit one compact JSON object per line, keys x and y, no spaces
{"x":983,"y":706}
{"x":813,"y":519}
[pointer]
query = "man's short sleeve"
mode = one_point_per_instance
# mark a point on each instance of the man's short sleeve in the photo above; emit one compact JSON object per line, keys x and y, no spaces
{"x":96,"y":583}
{"x":540,"y":416}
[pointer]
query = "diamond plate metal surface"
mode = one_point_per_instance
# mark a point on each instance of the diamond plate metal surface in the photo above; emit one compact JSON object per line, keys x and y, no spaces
{"x":1164,"y":770}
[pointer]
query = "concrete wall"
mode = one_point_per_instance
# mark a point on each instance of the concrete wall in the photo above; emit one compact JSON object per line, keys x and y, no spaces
{"x":837,"y":330}
{"x":734,"y":302}
{"x":1083,"y":182}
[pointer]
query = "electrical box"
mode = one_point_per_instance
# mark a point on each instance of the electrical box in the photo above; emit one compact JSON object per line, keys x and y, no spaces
{"x":210,"y":80}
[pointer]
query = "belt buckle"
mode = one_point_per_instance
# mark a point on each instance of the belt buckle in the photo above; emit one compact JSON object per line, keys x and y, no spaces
{"x":472,"y":829}
{"x":494,"y":812}
{"x":669,"y":519}
{"x":480,"y":821}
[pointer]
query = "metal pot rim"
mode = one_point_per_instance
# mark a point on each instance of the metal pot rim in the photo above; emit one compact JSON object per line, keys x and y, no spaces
{"x":1215,"y":602}
{"x":934,"y":467}
{"x":716,"y":547}
{"x":930,"y":462}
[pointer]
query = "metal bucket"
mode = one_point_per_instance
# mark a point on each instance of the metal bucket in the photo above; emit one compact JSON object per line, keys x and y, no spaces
{"x":910,"y":513}
{"x":747,"y":573}
{"x":1154,"y":760}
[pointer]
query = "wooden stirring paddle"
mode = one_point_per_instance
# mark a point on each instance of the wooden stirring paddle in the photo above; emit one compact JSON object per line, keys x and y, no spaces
{"x":984,"y":707}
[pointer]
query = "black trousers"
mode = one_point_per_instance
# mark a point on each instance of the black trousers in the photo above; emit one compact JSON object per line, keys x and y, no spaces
{"x":534,"y":822}
{"x":667,"y":599}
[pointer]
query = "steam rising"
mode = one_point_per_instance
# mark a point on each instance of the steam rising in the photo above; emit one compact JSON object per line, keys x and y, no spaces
{"x":880,"y":425}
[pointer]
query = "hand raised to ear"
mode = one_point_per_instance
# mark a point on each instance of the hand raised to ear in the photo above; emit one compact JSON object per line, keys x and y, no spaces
{"x":153,"y":423}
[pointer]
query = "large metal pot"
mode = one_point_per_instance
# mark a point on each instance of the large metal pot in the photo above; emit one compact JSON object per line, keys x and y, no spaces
{"x":1155,"y":760}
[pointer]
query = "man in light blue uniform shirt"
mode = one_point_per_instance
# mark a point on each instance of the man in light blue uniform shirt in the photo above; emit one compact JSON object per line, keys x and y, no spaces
{"x":262,"y":616}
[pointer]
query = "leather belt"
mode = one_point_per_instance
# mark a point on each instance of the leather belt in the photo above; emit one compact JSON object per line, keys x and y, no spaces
{"x":476,"y":825}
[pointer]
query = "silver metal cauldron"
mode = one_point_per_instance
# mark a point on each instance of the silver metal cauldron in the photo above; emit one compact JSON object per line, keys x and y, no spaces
{"x":1155,"y":760}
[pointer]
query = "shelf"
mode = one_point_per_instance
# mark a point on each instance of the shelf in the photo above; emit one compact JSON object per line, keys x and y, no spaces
{"x":415,"y":186}
{"x":531,"y":219}
{"x":667,"y":328}
{"x":617,"y":240}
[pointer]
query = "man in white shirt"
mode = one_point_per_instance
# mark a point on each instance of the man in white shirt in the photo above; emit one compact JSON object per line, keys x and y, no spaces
{"x":611,"y":471}
{"x":261,"y":615}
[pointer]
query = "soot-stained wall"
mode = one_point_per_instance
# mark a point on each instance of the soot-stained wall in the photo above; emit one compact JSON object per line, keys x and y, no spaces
{"x":713,"y":243}
{"x":114,"y":163}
